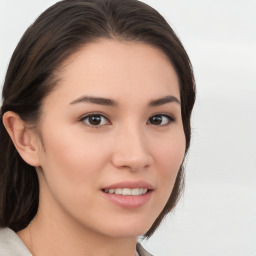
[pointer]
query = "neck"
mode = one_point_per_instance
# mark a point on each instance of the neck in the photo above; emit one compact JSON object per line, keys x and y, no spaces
{"x":52,"y":238}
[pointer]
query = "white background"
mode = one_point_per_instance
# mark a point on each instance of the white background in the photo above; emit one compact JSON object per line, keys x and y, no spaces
{"x":217,"y":214}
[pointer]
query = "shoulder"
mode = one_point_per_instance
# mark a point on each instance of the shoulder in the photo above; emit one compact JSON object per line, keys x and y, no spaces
{"x":11,"y":245}
{"x":142,"y":251}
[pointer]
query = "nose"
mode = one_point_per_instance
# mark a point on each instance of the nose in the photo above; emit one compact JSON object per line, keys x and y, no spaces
{"x":131,"y":150}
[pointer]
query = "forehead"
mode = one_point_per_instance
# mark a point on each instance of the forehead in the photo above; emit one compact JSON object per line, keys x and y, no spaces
{"x":117,"y":69}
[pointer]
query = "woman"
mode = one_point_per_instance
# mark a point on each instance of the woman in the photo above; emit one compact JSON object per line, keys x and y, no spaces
{"x":95,"y":127}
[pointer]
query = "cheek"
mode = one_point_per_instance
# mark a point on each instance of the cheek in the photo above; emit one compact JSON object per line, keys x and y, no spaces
{"x":71,"y":167}
{"x":74,"y":157}
{"x":169,"y":155}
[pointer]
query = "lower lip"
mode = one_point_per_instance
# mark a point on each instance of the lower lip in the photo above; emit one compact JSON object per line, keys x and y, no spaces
{"x":129,"y":202}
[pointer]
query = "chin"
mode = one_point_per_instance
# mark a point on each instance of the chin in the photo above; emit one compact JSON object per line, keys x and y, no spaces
{"x":129,"y":228}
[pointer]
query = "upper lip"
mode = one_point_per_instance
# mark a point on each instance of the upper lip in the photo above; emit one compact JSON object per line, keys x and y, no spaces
{"x":130,"y":184}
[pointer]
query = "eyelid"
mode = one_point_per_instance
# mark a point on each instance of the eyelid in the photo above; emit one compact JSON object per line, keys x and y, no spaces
{"x":170,"y":117}
{"x":83,"y":117}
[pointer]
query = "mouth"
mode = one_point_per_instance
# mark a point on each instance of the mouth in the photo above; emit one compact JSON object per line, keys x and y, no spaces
{"x":127,"y":191}
{"x":129,"y":195}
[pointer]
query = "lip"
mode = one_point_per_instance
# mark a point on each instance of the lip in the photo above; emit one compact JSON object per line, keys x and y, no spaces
{"x":129,"y":202}
{"x":131,"y":185}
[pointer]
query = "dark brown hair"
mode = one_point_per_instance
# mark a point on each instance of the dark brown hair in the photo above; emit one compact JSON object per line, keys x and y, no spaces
{"x":56,"y":34}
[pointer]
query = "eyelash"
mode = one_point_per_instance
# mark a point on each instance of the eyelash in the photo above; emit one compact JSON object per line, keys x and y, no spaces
{"x":84,"y":118}
{"x":169,"y":120}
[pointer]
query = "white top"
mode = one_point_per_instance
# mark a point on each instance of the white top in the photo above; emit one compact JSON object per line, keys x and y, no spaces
{"x":11,"y":245}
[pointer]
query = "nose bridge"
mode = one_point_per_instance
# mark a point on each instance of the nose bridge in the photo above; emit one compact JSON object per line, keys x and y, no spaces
{"x":131,"y":149}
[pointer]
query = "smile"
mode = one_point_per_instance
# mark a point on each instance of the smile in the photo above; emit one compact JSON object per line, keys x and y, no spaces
{"x":129,"y":194}
{"x":127,"y":191}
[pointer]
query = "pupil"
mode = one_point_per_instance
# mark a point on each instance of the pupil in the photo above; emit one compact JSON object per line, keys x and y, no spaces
{"x":156,"y":120}
{"x":95,"y":120}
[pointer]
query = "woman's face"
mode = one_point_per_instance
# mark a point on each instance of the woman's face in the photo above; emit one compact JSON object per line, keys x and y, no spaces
{"x":113,"y":139}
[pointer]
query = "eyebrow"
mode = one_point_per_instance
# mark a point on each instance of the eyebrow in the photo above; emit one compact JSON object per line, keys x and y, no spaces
{"x":164,"y":100}
{"x":113,"y":103}
{"x":95,"y":100}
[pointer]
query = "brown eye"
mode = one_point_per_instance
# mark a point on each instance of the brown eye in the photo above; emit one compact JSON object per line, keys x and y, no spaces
{"x":95,"y":120}
{"x":160,"y":119}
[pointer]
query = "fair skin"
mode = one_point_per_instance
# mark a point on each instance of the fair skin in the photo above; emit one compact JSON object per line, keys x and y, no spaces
{"x":134,"y":138}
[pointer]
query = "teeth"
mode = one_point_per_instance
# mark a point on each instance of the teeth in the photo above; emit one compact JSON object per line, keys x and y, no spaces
{"x":127,"y":191}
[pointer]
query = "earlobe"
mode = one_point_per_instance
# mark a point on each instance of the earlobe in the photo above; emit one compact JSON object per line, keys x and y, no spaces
{"x":22,"y":137}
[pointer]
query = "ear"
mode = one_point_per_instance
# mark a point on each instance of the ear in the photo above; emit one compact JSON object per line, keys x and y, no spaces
{"x":23,"y":138}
